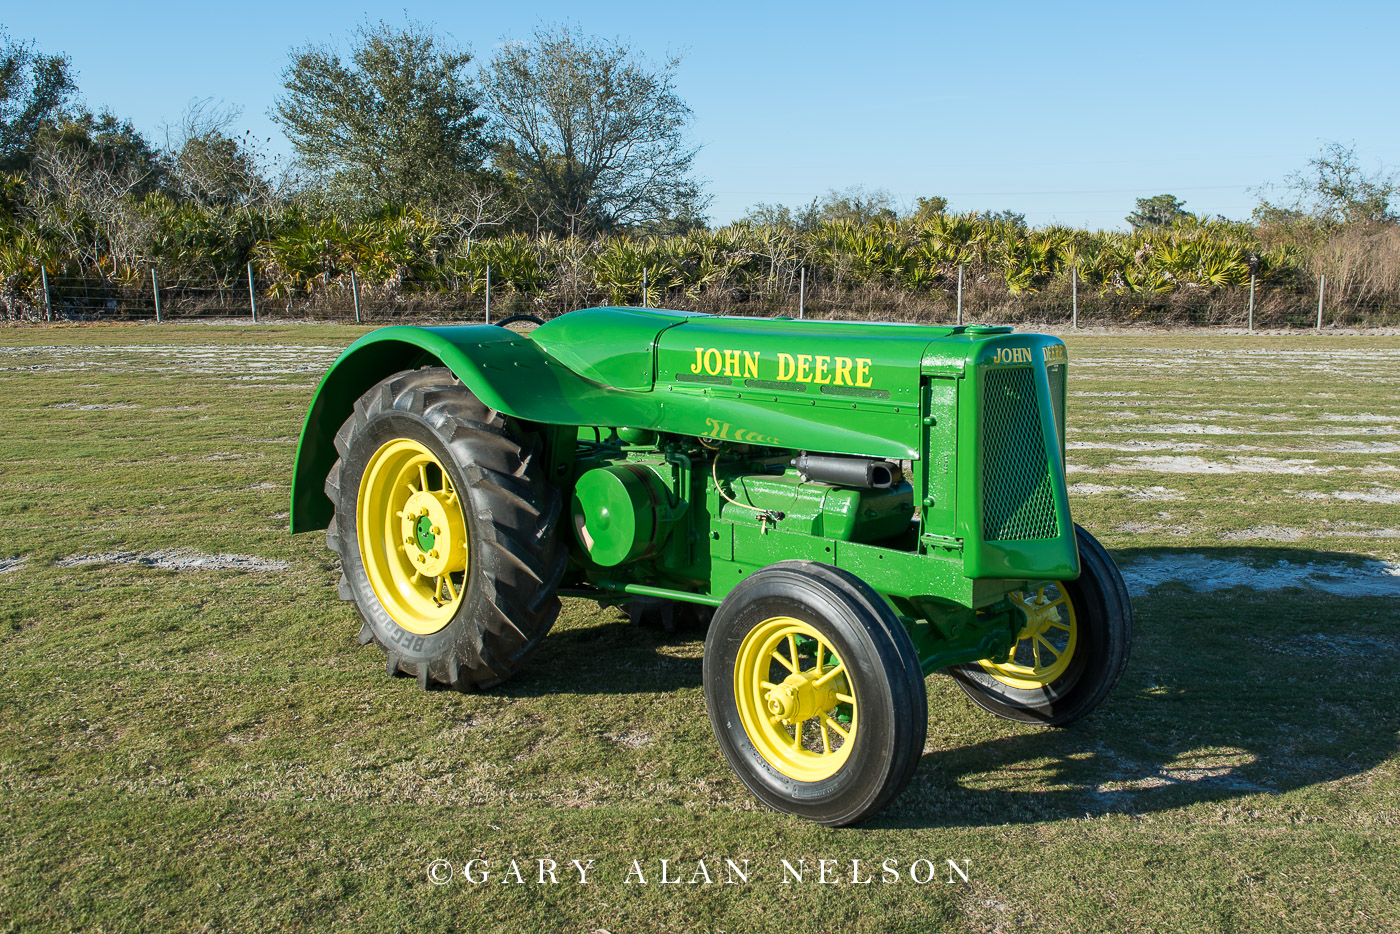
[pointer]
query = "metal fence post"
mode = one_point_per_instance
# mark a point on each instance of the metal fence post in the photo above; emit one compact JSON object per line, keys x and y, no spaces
{"x":252,"y":295}
{"x":646,"y":298}
{"x":1074,"y":293}
{"x":155,"y":292}
{"x":802,"y":291}
{"x":48,"y":303}
{"x":960,"y":294}
{"x":488,"y":293}
{"x":355,"y":294}
{"x":1321,"y":290}
{"x":1251,"y":303}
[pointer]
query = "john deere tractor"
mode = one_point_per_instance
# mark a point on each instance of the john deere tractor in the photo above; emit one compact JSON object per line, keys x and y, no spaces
{"x":850,"y":506}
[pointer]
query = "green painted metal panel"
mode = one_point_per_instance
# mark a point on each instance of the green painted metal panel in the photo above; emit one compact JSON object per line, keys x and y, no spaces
{"x":613,"y":347}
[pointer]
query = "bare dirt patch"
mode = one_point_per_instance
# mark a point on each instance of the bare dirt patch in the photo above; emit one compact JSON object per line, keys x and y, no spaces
{"x":1369,"y":578}
{"x":178,"y":560}
{"x":1150,"y":493}
{"x":1380,"y":494}
{"x":1171,"y":464}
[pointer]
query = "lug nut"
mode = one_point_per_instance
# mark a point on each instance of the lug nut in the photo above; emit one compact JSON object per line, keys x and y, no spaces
{"x":435,"y":530}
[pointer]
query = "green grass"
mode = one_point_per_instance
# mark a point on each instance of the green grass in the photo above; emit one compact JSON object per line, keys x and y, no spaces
{"x":209,"y":750}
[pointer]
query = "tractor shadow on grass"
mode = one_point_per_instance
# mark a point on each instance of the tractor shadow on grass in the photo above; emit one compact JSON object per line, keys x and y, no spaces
{"x":597,"y":651}
{"x":1232,"y":691}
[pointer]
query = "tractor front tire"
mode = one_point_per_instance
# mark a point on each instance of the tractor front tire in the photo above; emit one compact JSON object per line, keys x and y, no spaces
{"x":815,"y":692}
{"x":445,"y":526}
{"x":1071,"y":650}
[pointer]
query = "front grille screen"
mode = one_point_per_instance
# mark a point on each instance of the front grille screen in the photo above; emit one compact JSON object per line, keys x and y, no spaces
{"x":1017,"y":502}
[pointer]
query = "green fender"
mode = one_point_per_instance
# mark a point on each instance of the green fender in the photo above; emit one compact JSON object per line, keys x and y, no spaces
{"x":505,"y":370}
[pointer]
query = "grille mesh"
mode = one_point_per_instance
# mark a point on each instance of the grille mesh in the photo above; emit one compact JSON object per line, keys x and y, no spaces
{"x":1017,"y":503}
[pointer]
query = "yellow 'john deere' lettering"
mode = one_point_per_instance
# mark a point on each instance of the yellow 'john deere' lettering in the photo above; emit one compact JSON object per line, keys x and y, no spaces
{"x":820,"y":369}
{"x":715,"y":362}
{"x":824,"y":370}
{"x":1012,"y":355}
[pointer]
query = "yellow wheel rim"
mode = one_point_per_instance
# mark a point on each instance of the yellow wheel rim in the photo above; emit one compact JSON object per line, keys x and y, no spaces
{"x":796,"y":700}
{"x":413,"y":536}
{"x":1045,"y":645}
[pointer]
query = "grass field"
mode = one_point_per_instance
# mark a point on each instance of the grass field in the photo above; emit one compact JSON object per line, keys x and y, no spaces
{"x":191,"y":740}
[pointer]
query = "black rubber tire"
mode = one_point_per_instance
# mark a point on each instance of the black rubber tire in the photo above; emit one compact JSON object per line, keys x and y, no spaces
{"x":511,"y":512}
{"x":1105,"y":619}
{"x":886,"y":676}
{"x":533,"y":319}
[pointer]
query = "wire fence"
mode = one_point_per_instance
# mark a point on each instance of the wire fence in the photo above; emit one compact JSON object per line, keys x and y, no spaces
{"x":345,"y":299}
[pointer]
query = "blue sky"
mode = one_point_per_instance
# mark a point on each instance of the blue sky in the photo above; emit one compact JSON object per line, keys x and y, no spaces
{"x":1066,"y":112}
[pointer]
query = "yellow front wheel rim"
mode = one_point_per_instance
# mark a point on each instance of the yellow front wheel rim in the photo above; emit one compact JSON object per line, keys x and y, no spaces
{"x":1045,"y":645}
{"x":796,"y":699}
{"x":413,"y":536}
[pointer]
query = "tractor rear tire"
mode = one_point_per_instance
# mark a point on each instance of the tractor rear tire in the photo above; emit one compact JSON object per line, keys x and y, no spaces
{"x":815,"y":692}
{"x":445,"y":526}
{"x":1085,"y":634}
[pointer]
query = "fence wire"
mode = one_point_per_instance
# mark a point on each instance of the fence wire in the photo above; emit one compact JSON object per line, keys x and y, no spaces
{"x":150,"y":298}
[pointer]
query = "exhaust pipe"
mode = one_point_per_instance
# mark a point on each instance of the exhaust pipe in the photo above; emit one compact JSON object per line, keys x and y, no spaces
{"x":860,"y":472}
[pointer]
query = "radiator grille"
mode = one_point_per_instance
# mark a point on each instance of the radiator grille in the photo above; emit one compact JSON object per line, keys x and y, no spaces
{"x":1017,"y":502}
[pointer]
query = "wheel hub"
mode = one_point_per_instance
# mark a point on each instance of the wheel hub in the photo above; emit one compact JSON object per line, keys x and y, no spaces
{"x":1045,"y":642}
{"x":433,"y":535}
{"x":1040,"y":612}
{"x":799,"y":698}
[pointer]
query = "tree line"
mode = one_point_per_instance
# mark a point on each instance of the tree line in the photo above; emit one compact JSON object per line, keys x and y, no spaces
{"x":564,"y":163}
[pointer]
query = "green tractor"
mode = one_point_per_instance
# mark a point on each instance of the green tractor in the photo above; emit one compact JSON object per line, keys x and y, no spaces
{"x":849,"y":506}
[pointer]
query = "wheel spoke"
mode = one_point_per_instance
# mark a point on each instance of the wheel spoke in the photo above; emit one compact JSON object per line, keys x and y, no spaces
{"x":792,"y":647}
{"x":1035,"y":651}
{"x":423,"y":475}
{"x":835,"y":726}
{"x":437,"y":588}
{"x":797,"y":734}
{"x":845,"y":698}
{"x":1053,"y":650}
{"x":826,"y":740}
{"x":830,"y":673}
{"x":785,"y":663}
{"x":1064,"y":626}
{"x":821,"y":653}
{"x":452,"y":591}
{"x":767,"y":685}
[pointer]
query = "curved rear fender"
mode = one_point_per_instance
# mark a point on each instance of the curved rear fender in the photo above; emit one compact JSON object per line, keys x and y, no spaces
{"x":506,"y":371}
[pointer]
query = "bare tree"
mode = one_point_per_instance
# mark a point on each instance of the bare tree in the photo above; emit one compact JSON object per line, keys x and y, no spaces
{"x":593,"y":130}
{"x":480,"y":208}
{"x":212,"y":167}
{"x":87,"y":204}
{"x":1334,"y":189}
